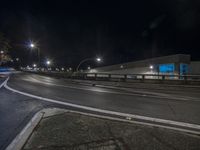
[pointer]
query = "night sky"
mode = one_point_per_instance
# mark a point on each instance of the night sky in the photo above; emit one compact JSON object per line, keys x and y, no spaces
{"x":118,"y":31}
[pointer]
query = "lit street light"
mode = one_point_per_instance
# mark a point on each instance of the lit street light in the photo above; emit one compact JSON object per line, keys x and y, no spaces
{"x":34,"y":65}
{"x":2,"y":52}
{"x":98,"y":59}
{"x":32,"y":45}
{"x":151,"y":66}
{"x":48,"y":62}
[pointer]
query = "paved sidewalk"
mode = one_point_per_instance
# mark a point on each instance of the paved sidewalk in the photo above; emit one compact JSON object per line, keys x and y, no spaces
{"x":69,"y":130}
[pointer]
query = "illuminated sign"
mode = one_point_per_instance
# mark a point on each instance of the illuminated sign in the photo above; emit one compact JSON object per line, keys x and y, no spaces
{"x":183,"y":69}
{"x":166,"y":68}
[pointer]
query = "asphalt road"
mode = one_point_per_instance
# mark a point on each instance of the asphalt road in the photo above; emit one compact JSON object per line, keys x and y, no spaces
{"x":171,"y":103}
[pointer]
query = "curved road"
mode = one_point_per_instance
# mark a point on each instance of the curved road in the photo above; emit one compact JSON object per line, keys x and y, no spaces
{"x":171,"y":103}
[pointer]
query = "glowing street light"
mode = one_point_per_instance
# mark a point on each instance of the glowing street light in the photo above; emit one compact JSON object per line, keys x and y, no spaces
{"x":34,"y":65}
{"x":32,"y":45}
{"x":98,"y":59}
{"x":48,"y":62}
{"x":151,"y":66}
{"x":2,"y":52}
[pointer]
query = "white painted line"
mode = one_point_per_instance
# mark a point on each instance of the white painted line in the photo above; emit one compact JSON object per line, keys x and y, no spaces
{"x":2,"y":84}
{"x":155,"y":120}
{"x":22,"y":137}
{"x":135,"y":122}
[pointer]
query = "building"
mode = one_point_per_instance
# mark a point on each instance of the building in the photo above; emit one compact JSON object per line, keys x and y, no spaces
{"x":179,"y":64}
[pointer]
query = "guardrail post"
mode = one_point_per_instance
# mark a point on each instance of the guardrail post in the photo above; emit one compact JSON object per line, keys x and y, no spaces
{"x":163,"y":77}
{"x":95,"y":76}
{"x":143,"y":76}
{"x":185,"y":78}
{"x":85,"y":76}
{"x":109,"y":76}
{"x":125,"y":77}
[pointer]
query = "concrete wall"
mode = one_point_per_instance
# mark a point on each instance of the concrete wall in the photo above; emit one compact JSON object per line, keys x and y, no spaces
{"x":137,"y":70}
{"x":195,"y":67}
{"x":143,"y":66}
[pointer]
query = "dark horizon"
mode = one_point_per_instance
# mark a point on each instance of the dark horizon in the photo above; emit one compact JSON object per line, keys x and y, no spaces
{"x":68,"y":32}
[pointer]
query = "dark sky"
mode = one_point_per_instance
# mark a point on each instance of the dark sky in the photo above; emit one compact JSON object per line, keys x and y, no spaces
{"x":118,"y":31}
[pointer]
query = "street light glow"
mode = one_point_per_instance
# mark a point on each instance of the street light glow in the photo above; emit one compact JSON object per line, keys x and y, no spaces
{"x":34,"y":65}
{"x":98,"y":59}
{"x":32,"y":45}
{"x":2,"y":52}
{"x":151,"y":66}
{"x":48,"y":62}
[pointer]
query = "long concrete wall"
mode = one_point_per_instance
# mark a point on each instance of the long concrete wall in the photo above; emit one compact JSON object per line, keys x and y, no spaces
{"x":195,"y":67}
{"x":143,"y":66}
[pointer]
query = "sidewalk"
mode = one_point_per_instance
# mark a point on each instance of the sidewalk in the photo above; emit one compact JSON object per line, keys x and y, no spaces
{"x":71,"y":130}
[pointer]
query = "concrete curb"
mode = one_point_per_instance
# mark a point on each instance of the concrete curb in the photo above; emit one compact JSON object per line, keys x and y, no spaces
{"x":22,"y":137}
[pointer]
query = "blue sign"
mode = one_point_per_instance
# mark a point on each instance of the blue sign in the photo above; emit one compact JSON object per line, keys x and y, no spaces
{"x":183,"y":69}
{"x":166,"y":68}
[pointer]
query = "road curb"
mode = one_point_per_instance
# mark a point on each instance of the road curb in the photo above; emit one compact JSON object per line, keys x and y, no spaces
{"x":22,"y":137}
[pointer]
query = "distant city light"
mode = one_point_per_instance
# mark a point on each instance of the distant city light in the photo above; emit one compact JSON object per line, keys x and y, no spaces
{"x":62,"y":69}
{"x":17,"y":59}
{"x":34,"y":65}
{"x":88,"y":67}
{"x":121,"y":66}
{"x":2,"y":52}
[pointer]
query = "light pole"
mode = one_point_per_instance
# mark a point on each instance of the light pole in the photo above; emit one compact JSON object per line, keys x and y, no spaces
{"x":98,"y":59}
{"x":32,"y":46}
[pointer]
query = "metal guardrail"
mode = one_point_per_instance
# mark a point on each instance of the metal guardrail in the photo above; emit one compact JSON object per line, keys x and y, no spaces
{"x":136,"y":76}
{"x":123,"y":77}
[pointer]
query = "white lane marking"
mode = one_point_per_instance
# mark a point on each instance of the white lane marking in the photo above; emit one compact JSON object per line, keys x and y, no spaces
{"x":155,"y":120}
{"x":112,"y":92}
{"x":136,"y":122}
{"x":2,"y":84}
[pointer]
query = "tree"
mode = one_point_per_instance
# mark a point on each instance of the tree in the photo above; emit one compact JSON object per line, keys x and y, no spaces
{"x":4,"y":49}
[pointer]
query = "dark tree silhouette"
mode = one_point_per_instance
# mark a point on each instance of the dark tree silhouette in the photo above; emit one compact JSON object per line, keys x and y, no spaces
{"x":4,"y":49}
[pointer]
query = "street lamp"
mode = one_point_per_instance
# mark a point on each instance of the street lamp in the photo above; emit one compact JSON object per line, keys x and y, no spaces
{"x":32,"y":45}
{"x":151,"y":67}
{"x":98,"y":59}
{"x":34,"y":65}
{"x":48,"y":62}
